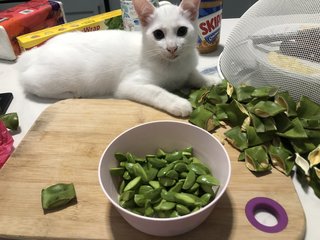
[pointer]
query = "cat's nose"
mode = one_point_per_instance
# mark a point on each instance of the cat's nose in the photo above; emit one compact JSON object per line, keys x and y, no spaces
{"x":172,"y":49}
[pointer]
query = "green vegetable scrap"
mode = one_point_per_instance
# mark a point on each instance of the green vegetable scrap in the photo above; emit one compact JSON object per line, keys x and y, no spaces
{"x":256,"y":159}
{"x":309,"y":166}
{"x":58,"y":195}
{"x":236,"y":114}
{"x":164,"y":184}
{"x":114,"y":23}
{"x":281,"y":158}
{"x":265,"y":109}
{"x":268,"y":127}
{"x":10,"y":120}
{"x":237,"y":138}
{"x":285,"y":100}
{"x":204,"y":118}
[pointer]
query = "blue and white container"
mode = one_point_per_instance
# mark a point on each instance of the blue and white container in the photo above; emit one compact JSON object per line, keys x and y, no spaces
{"x":129,"y":16}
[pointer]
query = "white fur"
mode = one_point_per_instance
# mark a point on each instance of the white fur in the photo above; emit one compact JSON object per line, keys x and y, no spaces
{"x":129,"y":65}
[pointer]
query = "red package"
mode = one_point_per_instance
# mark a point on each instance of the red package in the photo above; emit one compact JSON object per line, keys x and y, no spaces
{"x":6,"y":144}
{"x":25,"y":18}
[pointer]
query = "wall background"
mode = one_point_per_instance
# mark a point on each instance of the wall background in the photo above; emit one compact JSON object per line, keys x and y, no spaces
{"x":76,"y":9}
{"x":231,"y":8}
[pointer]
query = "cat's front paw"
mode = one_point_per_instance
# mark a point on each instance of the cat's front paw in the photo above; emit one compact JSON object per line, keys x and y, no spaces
{"x":211,"y":80}
{"x":180,"y":108}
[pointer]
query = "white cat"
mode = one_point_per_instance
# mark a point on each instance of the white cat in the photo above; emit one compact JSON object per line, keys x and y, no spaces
{"x":140,"y":66}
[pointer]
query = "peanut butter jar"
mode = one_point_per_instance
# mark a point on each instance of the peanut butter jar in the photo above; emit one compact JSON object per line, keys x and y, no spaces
{"x":209,"y":25}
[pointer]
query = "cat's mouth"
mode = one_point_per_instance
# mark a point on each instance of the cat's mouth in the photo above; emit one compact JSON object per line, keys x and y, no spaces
{"x":172,"y":56}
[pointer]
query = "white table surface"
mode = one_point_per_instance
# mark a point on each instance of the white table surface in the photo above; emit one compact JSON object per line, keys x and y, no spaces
{"x":29,"y":109}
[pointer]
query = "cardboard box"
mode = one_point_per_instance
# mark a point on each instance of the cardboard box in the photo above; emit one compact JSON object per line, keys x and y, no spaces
{"x":25,"y":18}
{"x":108,"y":20}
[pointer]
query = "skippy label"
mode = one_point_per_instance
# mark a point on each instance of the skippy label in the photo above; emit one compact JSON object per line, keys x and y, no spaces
{"x":209,"y":25}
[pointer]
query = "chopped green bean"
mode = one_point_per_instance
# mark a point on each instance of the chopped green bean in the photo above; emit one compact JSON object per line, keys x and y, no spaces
{"x":182,"y":210}
{"x":132,"y":184}
{"x":163,"y":184}
{"x":139,"y":171}
{"x":122,"y":185}
{"x":145,"y":188}
{"x":174,"y":213}
{"x":172,"y":174}
{"x":165,"y":206}
{"x":57,"y":195}
{"x":205,"y":198}
{"x":180,"y":167}
{"x":10,"y":120}
{"x":208,"y":180}
{"x":167,"y":181}
{"x":190,"y":180}
{"x":120,"y":156}
{"x":163,"y":171}
{"x":126,"y":175}
{"x":117,"y":171}
{"x":199,"y":168}
{"x":167,"y":195}
{"x":157,"y":162}
{"x":140,"y":199}
{"x":193,"y":189}
{"x":185,"y":199}
{"x":126,"y":196}
{"x":155,"y":184}
{"x":170,"y":157}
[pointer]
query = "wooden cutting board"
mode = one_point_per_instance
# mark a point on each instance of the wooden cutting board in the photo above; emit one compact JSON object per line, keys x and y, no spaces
{"x":65,"y":145}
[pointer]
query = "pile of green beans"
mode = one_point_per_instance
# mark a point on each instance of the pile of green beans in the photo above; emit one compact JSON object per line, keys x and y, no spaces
{"x":164,"y":184}
{"x":267,"y":125}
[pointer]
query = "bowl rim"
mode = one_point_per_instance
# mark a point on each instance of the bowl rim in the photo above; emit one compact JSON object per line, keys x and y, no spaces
{"x":201,"y":210}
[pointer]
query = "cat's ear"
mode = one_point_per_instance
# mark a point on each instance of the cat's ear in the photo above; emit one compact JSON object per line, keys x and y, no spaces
{"x":144,"y":10}
{"x":191,"y":7}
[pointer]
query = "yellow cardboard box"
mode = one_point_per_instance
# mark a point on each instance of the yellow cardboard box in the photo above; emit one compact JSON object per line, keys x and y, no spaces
{"x":24,"y":18}
{"x":108,"y":20}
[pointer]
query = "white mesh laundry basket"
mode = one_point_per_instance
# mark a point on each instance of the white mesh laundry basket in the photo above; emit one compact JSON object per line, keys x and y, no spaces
{"x":276,"y":42}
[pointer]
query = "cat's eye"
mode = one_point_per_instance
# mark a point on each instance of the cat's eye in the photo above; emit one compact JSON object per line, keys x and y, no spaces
{"x":158,"y":34}
{"x":182,"y":31}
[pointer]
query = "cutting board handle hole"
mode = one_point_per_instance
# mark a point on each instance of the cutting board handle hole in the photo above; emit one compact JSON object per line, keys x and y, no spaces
{"x":266,"y":215}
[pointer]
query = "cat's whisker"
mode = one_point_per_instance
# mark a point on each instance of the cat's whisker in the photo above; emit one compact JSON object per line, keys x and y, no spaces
{"x":156,"y":51}
{"x":152,"y":54}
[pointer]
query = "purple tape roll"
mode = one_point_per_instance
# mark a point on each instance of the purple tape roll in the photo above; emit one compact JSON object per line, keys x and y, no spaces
{"x":268,"y":205}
